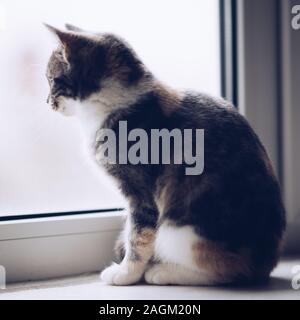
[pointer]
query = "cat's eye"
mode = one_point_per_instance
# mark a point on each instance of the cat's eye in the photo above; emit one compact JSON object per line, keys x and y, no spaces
{"x":58,"y":80}
{"x":61,"y":81}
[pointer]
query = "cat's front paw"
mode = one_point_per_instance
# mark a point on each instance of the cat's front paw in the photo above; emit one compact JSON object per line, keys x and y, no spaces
{"x":119,"y":275}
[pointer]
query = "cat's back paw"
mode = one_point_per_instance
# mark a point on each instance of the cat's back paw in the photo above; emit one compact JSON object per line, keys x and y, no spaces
{"x":157,"y":274}
{"x":172,"y":274}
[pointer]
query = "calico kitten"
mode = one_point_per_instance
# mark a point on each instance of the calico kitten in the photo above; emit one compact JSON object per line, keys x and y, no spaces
{"x":220,"y":227}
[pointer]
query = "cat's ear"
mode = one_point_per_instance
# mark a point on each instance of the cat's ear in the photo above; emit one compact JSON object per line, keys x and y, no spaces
{"x":72,"y":42}
{"x":71,"y":27}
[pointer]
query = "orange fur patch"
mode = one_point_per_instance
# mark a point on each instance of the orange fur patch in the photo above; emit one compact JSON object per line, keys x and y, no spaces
{"x":144,"y":238}
{"x":225,"y":265}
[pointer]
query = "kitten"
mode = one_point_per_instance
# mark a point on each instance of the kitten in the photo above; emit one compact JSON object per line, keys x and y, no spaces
{"x":220,"y":227}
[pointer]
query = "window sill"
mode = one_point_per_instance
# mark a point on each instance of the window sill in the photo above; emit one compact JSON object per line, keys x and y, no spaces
{"x":90,"y":287}
{"x":43,"y":248}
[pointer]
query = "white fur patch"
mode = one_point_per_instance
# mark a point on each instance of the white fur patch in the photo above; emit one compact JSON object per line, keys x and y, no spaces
{"x":174,"y":245}
{"x":66,"y":106}
{"x":91,"y":115}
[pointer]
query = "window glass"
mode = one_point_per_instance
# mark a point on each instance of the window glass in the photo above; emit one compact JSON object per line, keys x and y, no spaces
{"x":42,"y":165}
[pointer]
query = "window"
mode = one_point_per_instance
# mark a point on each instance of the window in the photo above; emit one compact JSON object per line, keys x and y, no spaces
{"x":43,"y":168}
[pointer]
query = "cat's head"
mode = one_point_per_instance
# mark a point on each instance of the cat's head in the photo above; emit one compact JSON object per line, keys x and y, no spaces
{"x":87,"y":64}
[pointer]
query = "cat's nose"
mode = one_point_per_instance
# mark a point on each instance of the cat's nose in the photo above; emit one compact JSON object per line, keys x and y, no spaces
{"x":48,"y":98}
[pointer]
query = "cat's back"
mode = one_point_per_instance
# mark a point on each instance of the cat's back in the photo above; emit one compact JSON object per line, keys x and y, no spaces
{"x":203,"y":109}
{"x":228,"y":135}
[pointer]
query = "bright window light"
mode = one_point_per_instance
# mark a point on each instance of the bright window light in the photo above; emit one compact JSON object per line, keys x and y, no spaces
{"x":42,"y":165}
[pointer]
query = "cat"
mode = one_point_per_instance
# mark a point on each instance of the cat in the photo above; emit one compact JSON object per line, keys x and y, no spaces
{"x":223,"y":226}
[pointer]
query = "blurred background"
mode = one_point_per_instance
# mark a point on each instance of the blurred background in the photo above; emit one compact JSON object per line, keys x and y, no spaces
{"x":43,"y":168}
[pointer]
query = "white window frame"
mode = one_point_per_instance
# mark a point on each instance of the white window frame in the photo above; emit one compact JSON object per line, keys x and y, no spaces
{"x":250,"y":78}
{"x":290,"y":97}
{"x":261,"y":74}
{"x":42,"y":248}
